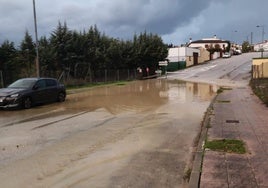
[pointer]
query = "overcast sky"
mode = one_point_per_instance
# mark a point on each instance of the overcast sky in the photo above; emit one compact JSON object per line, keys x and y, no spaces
{"x":174,"y":20}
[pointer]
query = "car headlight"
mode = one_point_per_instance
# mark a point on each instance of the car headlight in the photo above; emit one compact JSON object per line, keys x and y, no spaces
{"x":14,"y":95}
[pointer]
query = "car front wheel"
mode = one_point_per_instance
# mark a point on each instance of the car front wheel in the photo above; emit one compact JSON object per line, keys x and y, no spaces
{"x":27,"y":103}
{"x":61,"y":97}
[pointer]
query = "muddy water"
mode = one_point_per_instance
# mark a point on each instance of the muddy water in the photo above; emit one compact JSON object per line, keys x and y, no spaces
{"x":135,"y":135}
{"x":137,"y":96}
{"x":140,"y":96}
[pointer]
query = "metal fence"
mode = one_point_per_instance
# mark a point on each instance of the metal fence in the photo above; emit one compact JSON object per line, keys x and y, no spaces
{"x":67,"y":77}
{"x":6,"y":77}
{"x":1,"y":79}
{"x":260,"y":88}
{"x":113,"y":75}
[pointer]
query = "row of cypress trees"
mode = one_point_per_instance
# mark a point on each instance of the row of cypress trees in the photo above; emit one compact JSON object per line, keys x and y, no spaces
{"x":66,"y":48}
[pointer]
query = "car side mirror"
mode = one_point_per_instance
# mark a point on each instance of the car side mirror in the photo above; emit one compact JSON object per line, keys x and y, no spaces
{"x":35,"y":87}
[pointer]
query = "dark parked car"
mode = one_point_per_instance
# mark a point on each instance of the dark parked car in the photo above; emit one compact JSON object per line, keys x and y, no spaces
{"x":28,"y":92}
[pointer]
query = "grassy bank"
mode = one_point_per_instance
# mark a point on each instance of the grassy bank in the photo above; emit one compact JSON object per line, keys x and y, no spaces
{"x":83,"y":87}
{"x":260,"y":88}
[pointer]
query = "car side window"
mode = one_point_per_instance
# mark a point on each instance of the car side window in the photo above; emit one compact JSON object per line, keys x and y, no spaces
{"x":51,"y":83}
{"x":41,"y":84}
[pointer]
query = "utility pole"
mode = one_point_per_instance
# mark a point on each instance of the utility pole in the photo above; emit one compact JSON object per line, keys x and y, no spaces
{"x":262,"y":38}
{"x":251,"y":38}
{"x":36,"y":42}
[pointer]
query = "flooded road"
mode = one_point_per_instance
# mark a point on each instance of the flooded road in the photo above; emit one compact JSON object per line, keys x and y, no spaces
{"x":138,"y":134}
{"x":137,"y":97}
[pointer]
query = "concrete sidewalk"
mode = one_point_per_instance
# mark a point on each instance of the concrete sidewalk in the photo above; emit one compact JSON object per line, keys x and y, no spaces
{"x":241,"y":116}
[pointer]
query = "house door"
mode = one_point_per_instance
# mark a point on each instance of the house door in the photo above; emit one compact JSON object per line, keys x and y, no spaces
{"x":195,"y":58}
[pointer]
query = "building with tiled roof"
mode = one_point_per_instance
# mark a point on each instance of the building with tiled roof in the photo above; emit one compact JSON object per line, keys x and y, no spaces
{"x":210,"y":43}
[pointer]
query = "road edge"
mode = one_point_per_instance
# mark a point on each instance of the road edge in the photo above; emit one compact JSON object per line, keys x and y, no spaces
{"x":199,"y":153}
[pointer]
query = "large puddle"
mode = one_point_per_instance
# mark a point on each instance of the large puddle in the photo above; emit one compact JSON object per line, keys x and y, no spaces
{"x":137,"y":96}
{"x":140,"y":96}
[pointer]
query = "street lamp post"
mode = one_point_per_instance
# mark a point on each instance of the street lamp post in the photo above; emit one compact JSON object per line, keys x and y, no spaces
{"x":233,"y":36}
{"x":36,"y":42}
{"x":262,"y":38}
{"x":232,"y":40}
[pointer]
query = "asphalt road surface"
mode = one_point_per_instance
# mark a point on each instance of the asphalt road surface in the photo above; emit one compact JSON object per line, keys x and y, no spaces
{"x":232,"y":71}
{"x":141,"y":134}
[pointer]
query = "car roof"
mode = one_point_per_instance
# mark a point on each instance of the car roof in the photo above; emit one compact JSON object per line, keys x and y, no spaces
{"x":35,"y":78}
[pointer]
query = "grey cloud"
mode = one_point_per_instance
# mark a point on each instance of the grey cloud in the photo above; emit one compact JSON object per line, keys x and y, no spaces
{"x":120,"y":18}
{"x":156,"y":15}
{"x":119,"y":15}
{"x":123,"y":18}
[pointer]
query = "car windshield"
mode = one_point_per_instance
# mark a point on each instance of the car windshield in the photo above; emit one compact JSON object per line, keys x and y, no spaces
{"x":23,"y":83}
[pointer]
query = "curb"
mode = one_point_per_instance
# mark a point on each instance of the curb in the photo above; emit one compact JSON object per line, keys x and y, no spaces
{"x":194,"y":181}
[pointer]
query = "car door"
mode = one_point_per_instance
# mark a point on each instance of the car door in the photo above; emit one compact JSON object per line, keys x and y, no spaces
{"x":51,"y":89}
{"x":39,"y":88}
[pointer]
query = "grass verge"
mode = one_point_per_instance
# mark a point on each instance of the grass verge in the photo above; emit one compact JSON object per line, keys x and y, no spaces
{"x":187,"y":175}
{"x":226,"y":145}
{"x":96,"y":84}
{"x":260,"y":88}
{"x":221,"y":89}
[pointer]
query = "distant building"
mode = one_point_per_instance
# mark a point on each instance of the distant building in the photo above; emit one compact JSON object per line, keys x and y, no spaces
{"x":181,"y":57}
{"x":259,"y":46}
{"x":214,"y":45}
{"x":209,"y":42}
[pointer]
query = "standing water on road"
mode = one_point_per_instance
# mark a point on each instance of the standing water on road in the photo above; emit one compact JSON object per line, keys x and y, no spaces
{"x":142,"y":96}
{"x":140,"y":134}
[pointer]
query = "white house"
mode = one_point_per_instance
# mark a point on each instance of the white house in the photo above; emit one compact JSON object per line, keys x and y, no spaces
{"x":259,"y":46}
{"x":183,"y":54}
{"x":207,"y":42}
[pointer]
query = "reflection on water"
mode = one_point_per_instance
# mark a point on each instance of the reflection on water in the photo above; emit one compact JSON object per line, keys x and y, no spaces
{"x":137,"y":96}
{"x":140,"y":96}
{"x":186,"y":91}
